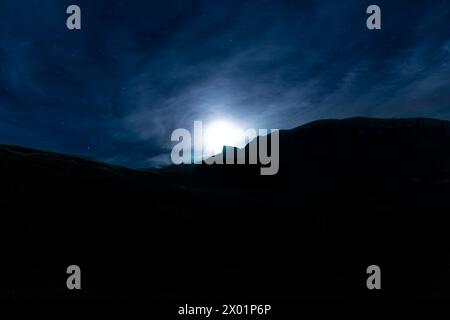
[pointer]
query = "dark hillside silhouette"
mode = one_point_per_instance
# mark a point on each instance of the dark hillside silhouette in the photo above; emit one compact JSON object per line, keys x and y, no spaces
{"x":349,"y":193}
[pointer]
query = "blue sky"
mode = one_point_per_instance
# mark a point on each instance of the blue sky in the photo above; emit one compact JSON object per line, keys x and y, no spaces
{"x":137,"y":70}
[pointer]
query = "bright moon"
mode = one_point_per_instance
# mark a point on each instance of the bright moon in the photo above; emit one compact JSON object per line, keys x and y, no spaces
{"x":219,"y":134}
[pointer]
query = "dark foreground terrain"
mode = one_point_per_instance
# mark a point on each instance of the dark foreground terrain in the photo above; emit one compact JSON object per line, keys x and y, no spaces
{"x":349,"y":193}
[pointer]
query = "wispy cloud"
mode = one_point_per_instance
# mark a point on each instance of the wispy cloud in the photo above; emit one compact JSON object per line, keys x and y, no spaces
{"x":138,"y":71}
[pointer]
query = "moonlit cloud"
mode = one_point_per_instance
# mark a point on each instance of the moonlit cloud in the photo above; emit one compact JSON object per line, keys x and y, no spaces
{"x":138,"y":70}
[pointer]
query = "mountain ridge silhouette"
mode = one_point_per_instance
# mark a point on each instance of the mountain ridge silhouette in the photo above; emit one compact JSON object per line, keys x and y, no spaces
{"x":349,"y":193}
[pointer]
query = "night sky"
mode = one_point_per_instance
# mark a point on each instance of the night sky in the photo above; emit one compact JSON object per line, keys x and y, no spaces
{"x":137,"y":70}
